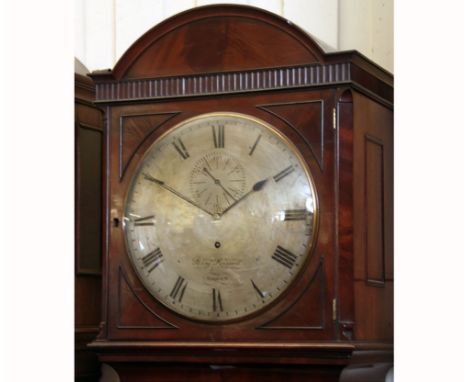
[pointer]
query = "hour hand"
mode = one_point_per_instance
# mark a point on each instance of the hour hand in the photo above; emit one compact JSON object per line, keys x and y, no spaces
{"x":256,"y":187}
{"x":175,"y":192}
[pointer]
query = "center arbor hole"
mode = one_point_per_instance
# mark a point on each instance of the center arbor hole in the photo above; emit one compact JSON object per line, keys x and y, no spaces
{"x":217,"y":244}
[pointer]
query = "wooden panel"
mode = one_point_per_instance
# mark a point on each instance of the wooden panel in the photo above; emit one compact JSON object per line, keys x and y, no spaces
{"x":373,"y":219}
{"x":321,"y":320}
{"x":134,"y":129}
{"x":221,"y":37}
{"x":224,"y":373}
{"x":373,"y":126}
{"x":305,"y":313}
{"x":308,"y":117}
{"x":87,"y":301}
{"x":374,"y":312}
{"x":134,"y":312}
{"x":344,"y":214}
{"x":88,"y":227}
{"x":89,"y":159}
{"x":374,"y":210}
{"x":310,"y":353}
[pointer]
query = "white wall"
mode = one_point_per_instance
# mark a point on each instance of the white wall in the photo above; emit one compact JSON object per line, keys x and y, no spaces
{"x":105,"y":29}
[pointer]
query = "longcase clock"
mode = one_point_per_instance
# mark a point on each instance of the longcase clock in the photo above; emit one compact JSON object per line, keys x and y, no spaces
{"x":248,"y":203}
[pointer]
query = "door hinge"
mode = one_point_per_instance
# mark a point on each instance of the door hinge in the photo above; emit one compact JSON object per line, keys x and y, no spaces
{"x":334,"y":118}
{"x":334,"y":309}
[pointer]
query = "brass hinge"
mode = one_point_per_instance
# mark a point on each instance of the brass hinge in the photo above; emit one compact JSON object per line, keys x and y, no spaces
{"x":334,"y":309}
{"x":334,"y":118}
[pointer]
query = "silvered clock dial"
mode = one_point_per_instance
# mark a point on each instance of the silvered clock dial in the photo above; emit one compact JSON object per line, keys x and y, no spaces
{"x":220,"y":217}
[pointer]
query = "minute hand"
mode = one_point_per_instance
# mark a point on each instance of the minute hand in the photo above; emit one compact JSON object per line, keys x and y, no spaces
{"x":256,"y":187}
{"x":175,"y":192}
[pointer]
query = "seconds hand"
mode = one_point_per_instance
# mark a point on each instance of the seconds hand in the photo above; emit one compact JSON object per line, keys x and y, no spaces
{"x":175,"y":192}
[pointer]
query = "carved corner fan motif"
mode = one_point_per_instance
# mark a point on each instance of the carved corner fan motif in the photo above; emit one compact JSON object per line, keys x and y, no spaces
{"x":134,"y":313}
{"x":306,"y":119}
{"x":134,"y":130}
{"x":304,"y":314}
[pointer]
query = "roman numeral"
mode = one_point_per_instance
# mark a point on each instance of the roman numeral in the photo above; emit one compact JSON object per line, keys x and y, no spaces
{"x":255,"y":144}
{"x":288,"y":170}
{"x":178,"y":290}
{"x":295,"y":214}
{"x":152,"y":259}
{"x":179,"y":146}
{"x":217,"y":302}
{"x":257,"y":289}
{"x":218,"y":136}
{"x":284,"y":257}
{"x":143,"y":221}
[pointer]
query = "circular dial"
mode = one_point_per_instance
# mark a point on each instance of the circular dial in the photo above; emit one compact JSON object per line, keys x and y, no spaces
{"x":220,"y":216}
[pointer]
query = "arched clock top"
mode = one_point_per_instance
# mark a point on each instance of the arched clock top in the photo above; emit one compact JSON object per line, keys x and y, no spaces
{"x":217,"y":38}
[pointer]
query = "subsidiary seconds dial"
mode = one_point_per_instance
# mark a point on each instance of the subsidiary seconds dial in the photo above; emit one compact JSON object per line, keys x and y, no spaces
{"x":220,"y":217}
{"x":217,"y":180}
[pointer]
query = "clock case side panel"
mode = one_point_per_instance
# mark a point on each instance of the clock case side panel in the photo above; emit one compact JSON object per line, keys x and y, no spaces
{"x":118,"y":261}
{"x":89,"y":137}
{"x":372,"y":220}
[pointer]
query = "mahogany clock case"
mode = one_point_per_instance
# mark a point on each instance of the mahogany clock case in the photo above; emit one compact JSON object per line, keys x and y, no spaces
{"x":336,"y":109}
